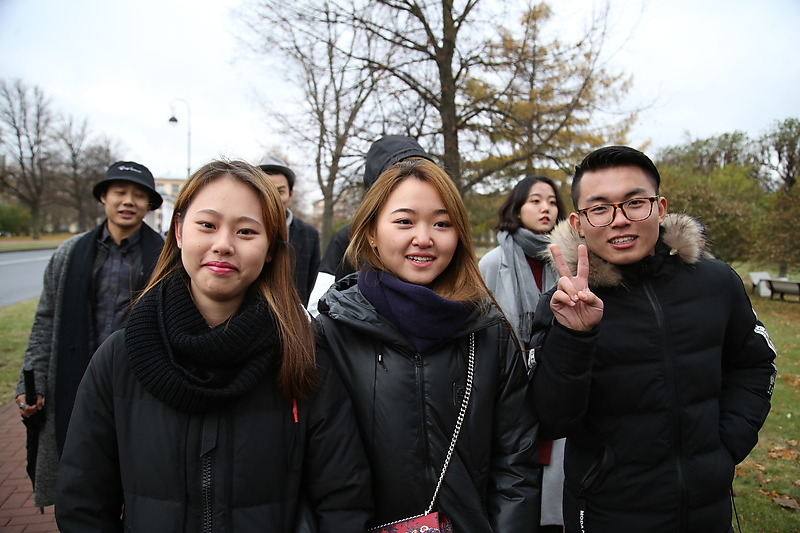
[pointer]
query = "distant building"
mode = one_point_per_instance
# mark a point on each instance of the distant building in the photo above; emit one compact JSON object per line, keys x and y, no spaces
{"x":168,"y":188}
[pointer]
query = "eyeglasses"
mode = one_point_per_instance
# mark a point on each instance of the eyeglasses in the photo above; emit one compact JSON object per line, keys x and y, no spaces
{"x":635,"y":209}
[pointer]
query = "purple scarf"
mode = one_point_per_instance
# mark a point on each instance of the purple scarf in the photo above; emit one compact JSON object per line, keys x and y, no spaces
{"x":420,"y":314}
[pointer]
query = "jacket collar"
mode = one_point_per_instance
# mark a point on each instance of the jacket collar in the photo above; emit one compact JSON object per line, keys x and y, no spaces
{"x":682,"y":236}
{"x":344,"y":303}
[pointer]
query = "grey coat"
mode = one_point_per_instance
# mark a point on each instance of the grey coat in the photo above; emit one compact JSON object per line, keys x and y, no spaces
{"x":53,"y":312}
{"x":41,"y":353}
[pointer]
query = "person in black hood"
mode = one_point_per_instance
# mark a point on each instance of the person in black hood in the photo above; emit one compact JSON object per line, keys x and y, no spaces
{"x":211,"y":411}
{"x":403,"y":333}
{"x":648,"y":358}
{"x":383,"y":153}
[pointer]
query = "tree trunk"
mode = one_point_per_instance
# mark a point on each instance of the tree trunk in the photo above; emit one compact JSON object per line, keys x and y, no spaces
{"x":36,"y":222}
{"x":447,"y":110}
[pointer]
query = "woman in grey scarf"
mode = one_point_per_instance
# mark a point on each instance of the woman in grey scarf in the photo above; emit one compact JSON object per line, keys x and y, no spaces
{"x":514,"y":271}
{"x":517,"y":276}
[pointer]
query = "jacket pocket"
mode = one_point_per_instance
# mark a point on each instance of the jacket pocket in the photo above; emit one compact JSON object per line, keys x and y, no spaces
{"x":595,"y":475}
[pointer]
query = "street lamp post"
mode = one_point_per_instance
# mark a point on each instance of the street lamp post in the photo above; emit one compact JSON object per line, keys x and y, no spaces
{"x":174,"y":120}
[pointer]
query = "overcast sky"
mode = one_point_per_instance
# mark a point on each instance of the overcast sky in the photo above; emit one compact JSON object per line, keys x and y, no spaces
{"x":706,"y":67}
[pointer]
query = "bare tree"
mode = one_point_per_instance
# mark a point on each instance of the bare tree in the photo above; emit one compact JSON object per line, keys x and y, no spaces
{"x":83,"y":162}
{"x":502,"y":95}
{"x":430,"y":55}
{"x":780,"y":152}
{"x":334,"y":118}
{"x":26,"y":139}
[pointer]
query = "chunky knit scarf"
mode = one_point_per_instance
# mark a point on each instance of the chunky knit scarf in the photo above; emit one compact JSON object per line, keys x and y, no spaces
{"x":186,"y":364}
{"x":419,"y":313}
{"x":515,"y":287}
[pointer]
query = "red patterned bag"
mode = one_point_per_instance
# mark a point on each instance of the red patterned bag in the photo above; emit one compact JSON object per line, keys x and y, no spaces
{"x":429,"y":523}
{"x":435,"y":522}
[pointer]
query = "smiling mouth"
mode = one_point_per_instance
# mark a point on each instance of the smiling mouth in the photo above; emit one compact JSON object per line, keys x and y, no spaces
{"x":420,"y":260}
{"x":622,"y":240}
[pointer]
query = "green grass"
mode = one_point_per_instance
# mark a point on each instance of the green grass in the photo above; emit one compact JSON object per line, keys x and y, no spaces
{"x":743,"y":267}
{"x":13,"y":244}
{"x":15,"y":326}
{"x":770,"y":472}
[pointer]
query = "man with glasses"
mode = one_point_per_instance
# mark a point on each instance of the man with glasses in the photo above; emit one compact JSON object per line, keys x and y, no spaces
{"x":648,"y":358}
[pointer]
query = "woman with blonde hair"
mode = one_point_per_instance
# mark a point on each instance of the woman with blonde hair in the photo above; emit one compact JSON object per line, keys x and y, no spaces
{"x":210,"y":411}
{"x":417,"y":338}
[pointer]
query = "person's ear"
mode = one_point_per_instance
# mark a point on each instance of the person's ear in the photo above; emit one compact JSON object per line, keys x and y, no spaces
{"x":178,"y":229}
{"x":662,"y":208}
{"x":575,"y":222}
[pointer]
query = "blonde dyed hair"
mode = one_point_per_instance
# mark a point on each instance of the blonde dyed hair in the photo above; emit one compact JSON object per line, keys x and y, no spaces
{"x":275,"y":283}
{"x":461,"y":280}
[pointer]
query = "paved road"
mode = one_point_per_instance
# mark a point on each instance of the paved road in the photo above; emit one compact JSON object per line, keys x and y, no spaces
{"x":21,"y":275}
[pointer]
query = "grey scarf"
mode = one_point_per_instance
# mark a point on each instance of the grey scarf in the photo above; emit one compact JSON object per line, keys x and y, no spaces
{"x":516,"y":289}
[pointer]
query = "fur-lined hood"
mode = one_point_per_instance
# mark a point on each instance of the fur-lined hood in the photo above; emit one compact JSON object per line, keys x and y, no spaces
{"x":682,"y":233}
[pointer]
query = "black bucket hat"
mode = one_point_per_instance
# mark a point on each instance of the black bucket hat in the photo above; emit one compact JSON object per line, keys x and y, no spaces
{"x":133,"y":172}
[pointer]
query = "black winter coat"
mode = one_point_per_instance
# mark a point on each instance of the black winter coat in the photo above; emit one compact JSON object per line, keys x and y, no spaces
{"x":407,"y":405}
{"x":134,"y":450}
{"x":304,"y":239}
{"x":664,"y":397}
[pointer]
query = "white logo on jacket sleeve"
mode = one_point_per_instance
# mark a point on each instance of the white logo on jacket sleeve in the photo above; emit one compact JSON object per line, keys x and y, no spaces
{"x":761,"y":330}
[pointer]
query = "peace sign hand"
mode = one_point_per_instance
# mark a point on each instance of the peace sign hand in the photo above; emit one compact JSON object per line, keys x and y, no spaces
{"x":574,"y":305}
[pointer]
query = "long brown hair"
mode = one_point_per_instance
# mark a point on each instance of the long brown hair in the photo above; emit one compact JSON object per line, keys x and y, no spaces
{"x":275,"y":282}
{"x":461,"y":280}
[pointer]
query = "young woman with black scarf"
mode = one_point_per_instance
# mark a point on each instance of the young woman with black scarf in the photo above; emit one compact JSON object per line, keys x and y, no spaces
{"x":211,"y":410}
{"x":403,"y":333}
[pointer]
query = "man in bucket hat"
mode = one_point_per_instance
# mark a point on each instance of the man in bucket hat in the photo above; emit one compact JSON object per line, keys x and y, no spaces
{"x":88,"y":287}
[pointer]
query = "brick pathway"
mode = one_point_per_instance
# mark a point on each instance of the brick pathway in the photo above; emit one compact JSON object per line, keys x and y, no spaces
{"x":17,"y":513}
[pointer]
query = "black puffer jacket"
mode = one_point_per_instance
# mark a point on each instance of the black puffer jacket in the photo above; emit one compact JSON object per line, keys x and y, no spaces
{"x":406,"y":407}
{"x":127,"y":447}
{"x":664,"y":397}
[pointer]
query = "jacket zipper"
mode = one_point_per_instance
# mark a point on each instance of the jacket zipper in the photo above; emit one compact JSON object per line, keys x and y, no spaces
{"x":206,"y":494}
{"x":421,"y":400}
{"x":207,"y":446}
{"x":672,"y":390}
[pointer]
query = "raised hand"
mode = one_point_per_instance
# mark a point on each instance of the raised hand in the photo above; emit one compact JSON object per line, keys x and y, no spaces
{"x":574,"y":305}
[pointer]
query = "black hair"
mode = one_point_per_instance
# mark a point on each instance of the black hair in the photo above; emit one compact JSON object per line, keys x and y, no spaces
{"x":508,"y":216}
{"x":278,"y":172}
{"x":611,"y":157}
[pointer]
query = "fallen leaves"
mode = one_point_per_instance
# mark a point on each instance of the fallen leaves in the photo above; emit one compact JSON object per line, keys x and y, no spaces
{"x":783,"y":452}
{"x":786,"y":503}
{"x":781,"y":499}
{"x":792,"y":379}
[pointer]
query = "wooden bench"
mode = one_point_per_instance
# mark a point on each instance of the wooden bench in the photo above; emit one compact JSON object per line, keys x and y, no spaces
{"x":783,"y":287}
